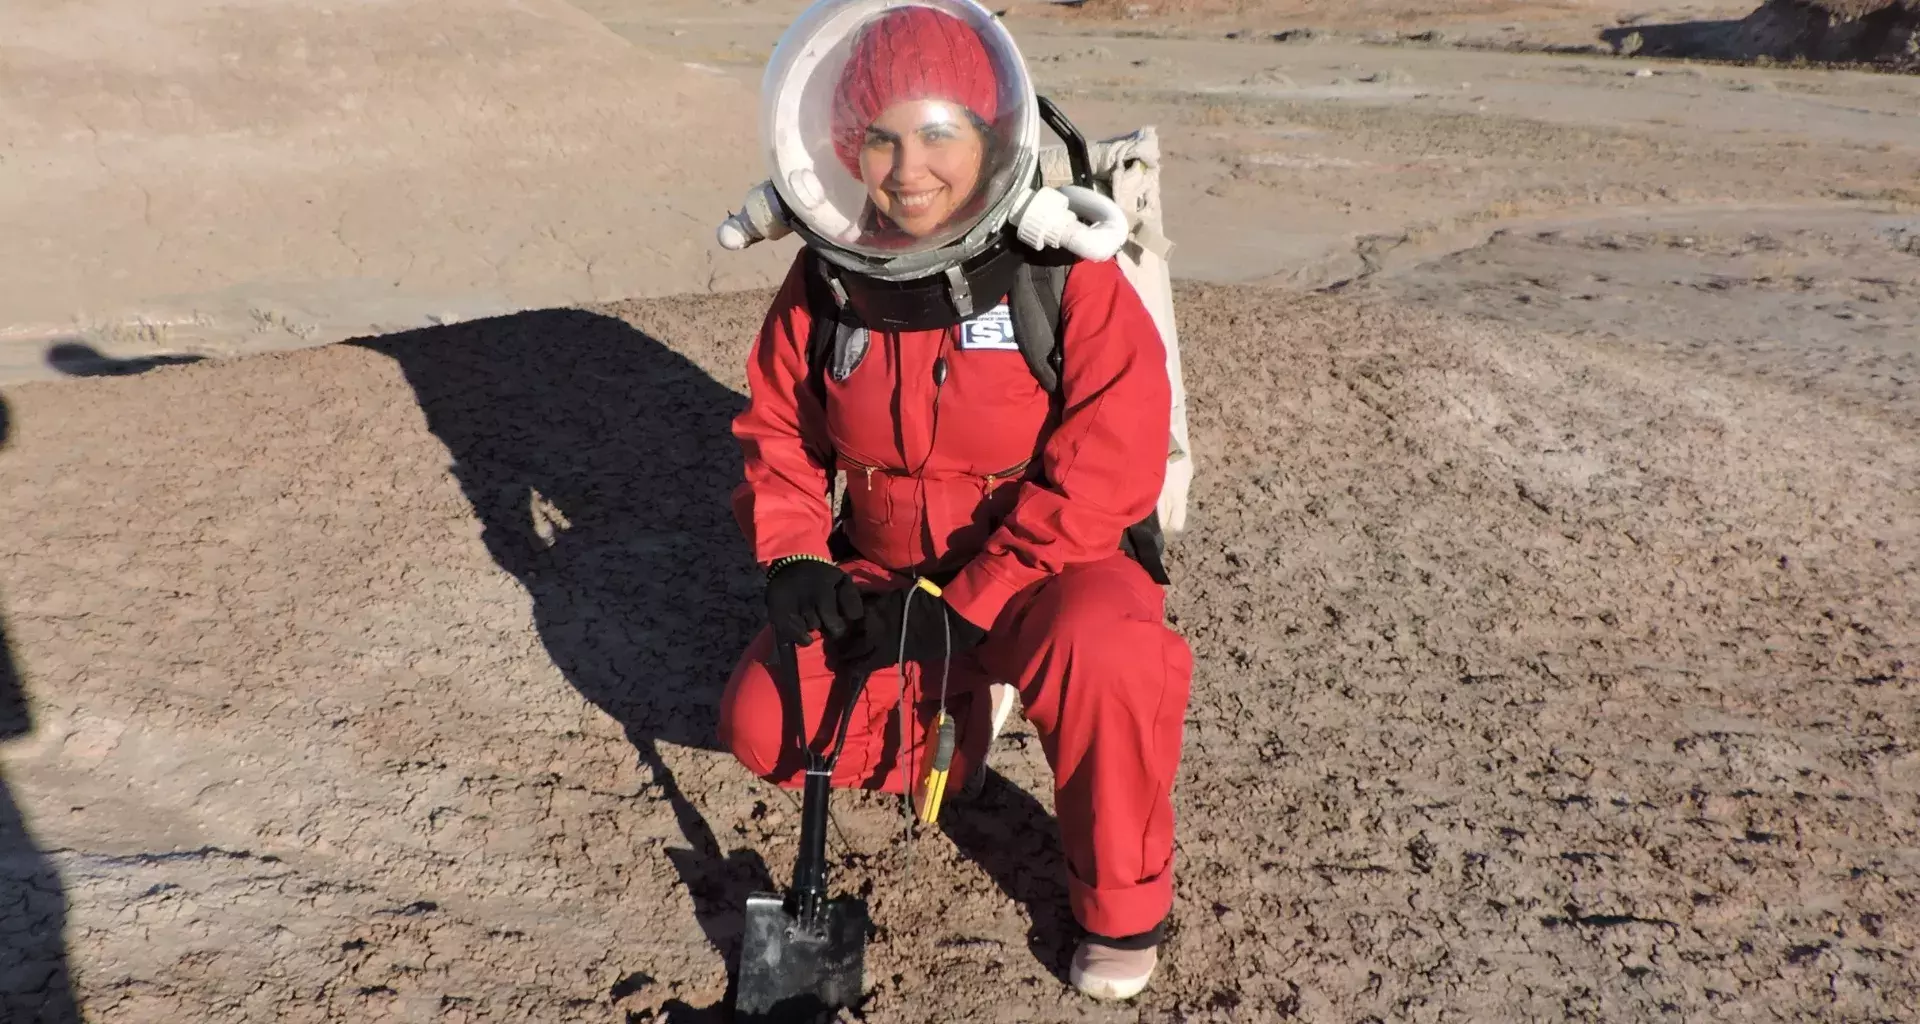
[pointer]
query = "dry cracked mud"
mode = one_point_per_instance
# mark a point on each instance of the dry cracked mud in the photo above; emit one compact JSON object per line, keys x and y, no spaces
{"x":1541,"y":676}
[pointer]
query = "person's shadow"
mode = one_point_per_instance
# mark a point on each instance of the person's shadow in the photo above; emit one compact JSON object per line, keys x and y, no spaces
{"x":36,"y":986}
{"x":600,"y":465}
{"x":78,"y":359}
{"x":1013,"y":837}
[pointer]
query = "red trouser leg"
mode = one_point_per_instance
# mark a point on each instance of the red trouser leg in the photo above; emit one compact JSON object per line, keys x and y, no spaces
{"x":759,"y":724}
{"x":1105,"y":684}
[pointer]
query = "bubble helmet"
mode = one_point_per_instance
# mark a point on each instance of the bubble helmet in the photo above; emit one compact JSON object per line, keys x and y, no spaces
{"x":900,"y":136}
{"x":903,"y":141}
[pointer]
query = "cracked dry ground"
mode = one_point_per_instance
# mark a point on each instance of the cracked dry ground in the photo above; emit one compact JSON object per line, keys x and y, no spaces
{"x":1539,"y":677}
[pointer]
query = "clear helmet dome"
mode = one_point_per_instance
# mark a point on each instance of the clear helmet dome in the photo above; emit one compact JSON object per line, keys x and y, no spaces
{"x":899,"y":133}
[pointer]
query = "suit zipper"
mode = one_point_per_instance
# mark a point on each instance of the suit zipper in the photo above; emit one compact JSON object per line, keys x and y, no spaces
{"x":991,"y":478}
{"x":862,"y":467}
{"x":996,"y":477}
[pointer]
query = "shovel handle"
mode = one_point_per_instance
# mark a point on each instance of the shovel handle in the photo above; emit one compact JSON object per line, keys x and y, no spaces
{"x":809,"y":893}
{"x":810,"y":868}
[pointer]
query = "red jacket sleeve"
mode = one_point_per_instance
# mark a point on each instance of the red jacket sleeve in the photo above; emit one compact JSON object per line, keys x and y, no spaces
{"x":1106,"y":460}
{"x":782,"y":505}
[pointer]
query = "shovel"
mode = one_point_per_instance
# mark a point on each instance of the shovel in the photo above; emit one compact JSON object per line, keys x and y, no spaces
{"x":803,"y":955}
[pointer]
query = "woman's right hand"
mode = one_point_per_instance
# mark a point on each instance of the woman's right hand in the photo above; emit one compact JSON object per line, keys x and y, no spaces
{"x":811,"y":596}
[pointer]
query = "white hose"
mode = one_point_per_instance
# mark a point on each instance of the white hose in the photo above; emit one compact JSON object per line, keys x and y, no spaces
{"x":1100,"y":227}
{"x":1079,"y":220}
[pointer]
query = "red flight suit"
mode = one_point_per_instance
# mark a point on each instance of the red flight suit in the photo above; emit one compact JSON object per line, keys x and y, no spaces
{"x":1028,"y":503}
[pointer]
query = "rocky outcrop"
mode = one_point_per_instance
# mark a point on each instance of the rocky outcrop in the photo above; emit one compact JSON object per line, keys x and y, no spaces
{"x":1851,"y":31}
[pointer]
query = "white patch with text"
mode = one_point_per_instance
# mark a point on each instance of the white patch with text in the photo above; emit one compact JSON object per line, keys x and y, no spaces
{"x":990,"y":331}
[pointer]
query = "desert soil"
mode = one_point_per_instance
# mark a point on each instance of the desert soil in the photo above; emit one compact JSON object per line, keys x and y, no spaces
{"x":1554,"y":579}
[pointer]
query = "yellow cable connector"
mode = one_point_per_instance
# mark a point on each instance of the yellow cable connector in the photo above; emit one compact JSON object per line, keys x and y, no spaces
{"x":929,"y":586}
{"x":936,"y":787}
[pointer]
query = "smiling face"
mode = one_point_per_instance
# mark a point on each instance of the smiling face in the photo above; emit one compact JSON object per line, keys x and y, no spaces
{"x":921,"y":161}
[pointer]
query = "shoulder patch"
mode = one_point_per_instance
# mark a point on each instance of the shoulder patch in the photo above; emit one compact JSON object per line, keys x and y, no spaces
{"x":990,"y":331}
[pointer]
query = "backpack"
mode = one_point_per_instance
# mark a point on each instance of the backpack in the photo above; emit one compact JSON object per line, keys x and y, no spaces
{"x":1127,"y":169}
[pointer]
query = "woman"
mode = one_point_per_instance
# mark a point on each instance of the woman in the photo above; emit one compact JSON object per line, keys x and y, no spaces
{"x":961,"y":469}
{"x":916,"y":131}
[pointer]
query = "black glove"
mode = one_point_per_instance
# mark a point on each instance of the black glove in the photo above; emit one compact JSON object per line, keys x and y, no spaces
{"x":808,"y":596}
{"x":933,"y":630}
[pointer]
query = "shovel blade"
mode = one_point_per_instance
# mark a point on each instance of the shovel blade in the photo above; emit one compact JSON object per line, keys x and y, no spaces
{"x":791,"y":973}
